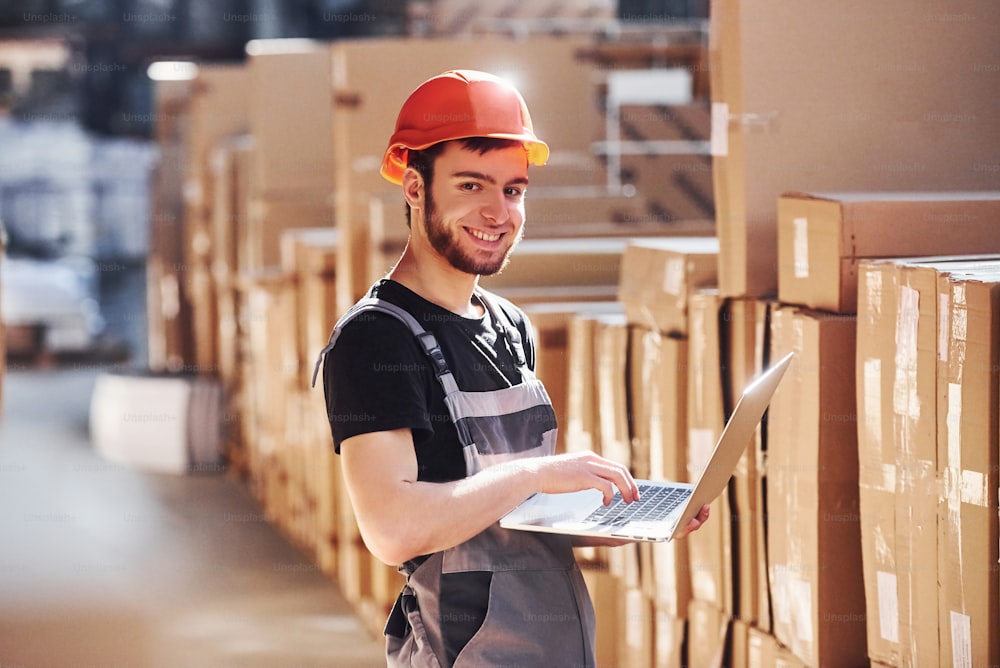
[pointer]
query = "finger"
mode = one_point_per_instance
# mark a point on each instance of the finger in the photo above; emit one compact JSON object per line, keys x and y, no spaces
{"x":607,"y":489}
{"x":626,"y":484}
{"x":615,"y":475}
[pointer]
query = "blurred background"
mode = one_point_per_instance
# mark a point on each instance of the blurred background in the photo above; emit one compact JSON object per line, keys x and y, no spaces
{"x":78,"y":119}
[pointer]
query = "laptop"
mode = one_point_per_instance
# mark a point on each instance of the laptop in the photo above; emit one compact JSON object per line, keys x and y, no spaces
{"x":663,"y":508}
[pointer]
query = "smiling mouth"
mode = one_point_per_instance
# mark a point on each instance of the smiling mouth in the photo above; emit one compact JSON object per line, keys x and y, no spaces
{"x":483,"y":235}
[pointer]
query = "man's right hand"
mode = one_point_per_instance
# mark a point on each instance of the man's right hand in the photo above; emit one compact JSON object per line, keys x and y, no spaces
{"x":576,"y":471}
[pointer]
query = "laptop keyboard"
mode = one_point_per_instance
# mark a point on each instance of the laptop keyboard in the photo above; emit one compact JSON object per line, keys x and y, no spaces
{"x":654,"y":503}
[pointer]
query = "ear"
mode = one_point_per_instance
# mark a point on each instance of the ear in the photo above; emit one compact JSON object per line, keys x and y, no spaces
{"x":413,"y":188}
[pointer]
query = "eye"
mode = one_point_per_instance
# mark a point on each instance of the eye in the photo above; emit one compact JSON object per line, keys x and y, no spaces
{"x":470,"y":186}
{"x":514,"y":191}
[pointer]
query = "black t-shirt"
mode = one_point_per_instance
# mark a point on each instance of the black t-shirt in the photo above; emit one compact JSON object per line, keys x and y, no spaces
{"x":378,"y":377}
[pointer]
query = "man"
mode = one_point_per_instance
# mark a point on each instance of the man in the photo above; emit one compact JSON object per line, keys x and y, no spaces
{"x":435,"y":409}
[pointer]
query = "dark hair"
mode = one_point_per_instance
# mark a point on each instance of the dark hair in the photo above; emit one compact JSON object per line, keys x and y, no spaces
{"x":423,"y":160}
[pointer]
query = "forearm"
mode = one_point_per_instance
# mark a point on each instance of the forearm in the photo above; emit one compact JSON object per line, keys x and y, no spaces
{"x":401,"y":517}
{"x":453,"y":512}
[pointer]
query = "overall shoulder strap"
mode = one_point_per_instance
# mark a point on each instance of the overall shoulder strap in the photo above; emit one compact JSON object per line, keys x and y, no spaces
{"x":510,"y":331}
{"x":427,"y":340}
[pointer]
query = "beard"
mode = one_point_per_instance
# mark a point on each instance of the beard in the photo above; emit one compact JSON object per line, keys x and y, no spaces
{"x":446,"y":242}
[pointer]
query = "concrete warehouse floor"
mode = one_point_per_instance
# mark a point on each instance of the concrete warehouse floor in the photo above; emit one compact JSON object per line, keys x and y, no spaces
{"x":105,"y":566}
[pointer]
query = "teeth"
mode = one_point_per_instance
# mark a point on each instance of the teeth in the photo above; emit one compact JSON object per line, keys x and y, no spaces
{"x":485,"y":237}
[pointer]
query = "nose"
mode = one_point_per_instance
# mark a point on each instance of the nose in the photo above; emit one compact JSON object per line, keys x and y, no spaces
{"x":496,"y":208}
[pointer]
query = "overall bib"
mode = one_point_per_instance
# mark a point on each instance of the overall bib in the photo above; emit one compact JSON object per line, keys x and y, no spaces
{"x":539,"y":611}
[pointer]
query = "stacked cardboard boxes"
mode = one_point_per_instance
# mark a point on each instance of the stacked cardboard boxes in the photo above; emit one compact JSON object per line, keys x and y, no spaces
{"x":216,"y":111}
{"x":629,"y":399}
{"x":167,"y":309}
{"x":291,"y":121}
{"x":847,"y":522}
{"x":904,"y":357}
{"x":877,"y":117}
{"x":900,"y":348}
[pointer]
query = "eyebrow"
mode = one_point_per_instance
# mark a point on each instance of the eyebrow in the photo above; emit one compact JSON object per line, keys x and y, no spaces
{"x":521,"y":181}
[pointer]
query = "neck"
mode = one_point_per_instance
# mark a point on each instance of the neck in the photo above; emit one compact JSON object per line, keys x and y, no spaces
{"x":438,"y":282}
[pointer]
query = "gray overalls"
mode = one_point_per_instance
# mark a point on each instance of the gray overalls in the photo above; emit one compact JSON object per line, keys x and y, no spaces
{"x":539,"y":612}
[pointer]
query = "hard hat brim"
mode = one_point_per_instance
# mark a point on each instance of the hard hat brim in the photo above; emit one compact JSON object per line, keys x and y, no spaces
{"x":394,"y":160}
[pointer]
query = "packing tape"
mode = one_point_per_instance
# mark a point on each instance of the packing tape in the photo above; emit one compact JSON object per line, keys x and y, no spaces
{"x":871,"y":406}
{"x":905,"y":401}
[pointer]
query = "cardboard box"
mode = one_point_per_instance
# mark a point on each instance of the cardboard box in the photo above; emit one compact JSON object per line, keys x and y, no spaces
{"x":877,"y":118}
{"x":709,"y":548}
{"x":553,"y":207}
{"x":669,"y":636}
{"x":554,"y":358}
{"x":605,"y":593}
{"x":560,"y":262}
{"x":762,"y":648}
{"x":309,"y":255}
{"x":708,"y":634}
{"x":764,"y":651}
{"x":967,"y":421}
{"x":581,"y":399}
{"x":216,"y":109}
{"x":658,"y":376}
{"x":228,"y":216}
{"x":740,"y":643}
{"x":877,"y":476}
{"x":291,"y":115}
{"x":268,"y":217}
{"x":746,"y":327}
{"x":658,"y":410}
{"x":635,"y":629}
{"x":822,"y":237}
{"x":814,"y":537}
{"x":611,"y":349}
{"x":897,"y":357}
{"x":658,"y":276}
{"x":668,"y":581}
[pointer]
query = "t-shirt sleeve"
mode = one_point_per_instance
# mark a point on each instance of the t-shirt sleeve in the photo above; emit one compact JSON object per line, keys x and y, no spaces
{"x":375,"y":379}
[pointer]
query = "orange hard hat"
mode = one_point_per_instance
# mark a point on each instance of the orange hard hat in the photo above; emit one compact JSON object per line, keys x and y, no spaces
{"x":456,"y":105}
